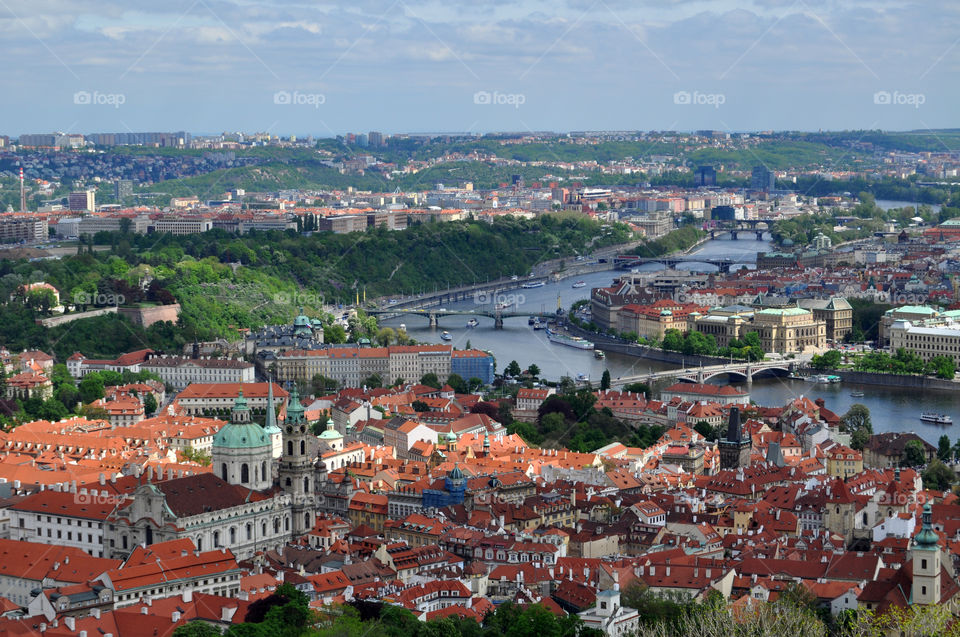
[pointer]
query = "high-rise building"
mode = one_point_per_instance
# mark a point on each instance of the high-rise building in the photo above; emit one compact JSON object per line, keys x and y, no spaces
{"x":124,"y":190}
{"x":705,"y":176}
{"x":375,"y":138}
{"x":83,"y":200}
{"x":763,"y":179}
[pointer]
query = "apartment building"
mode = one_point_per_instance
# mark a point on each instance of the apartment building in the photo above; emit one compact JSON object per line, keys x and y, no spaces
{"x":351,"y":366}
{"x":180,"y":371}
{"x":926,"y":342}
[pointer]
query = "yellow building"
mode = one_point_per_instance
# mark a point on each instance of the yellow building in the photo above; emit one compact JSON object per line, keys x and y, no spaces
{"x":843,"y":462}
{"x":789,"y":330}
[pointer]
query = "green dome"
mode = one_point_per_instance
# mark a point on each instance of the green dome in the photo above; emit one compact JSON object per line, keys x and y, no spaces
{"x":927,"y":538}
{"x":330,"y":433}
{"x":455,"y":473}
{"x":241,"y":436}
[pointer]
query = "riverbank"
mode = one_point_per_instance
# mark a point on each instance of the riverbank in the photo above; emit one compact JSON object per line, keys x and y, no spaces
{"x":902,"y":381}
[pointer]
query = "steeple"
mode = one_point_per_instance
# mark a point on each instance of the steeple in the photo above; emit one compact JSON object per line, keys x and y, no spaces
{"x":271,"y":421}
{"x":927,"y":539}
{"x":240,"y":413}
{"x":294,"y":408}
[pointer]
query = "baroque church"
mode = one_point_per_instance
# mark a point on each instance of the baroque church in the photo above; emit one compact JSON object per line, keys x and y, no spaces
{"x":250,"y":502}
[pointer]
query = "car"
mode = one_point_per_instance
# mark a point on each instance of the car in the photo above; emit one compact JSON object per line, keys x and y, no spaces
{"x":514,"y":277}
{"x":392,"y":301}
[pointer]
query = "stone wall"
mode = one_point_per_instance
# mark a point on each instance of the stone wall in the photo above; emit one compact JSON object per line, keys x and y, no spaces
{"x":147,"y":316}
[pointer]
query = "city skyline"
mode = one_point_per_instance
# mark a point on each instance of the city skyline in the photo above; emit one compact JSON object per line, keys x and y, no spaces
{"x":479,"y":67}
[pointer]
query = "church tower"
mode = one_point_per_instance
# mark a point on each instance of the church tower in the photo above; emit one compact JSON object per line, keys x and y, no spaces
{"x":241,"y":451}
{"x":926,"y":562}
{"x":735,"y":449}
{"x":296,"y":468}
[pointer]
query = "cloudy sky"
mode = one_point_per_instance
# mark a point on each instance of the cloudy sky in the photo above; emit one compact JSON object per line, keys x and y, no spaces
{"x":323,"y":68}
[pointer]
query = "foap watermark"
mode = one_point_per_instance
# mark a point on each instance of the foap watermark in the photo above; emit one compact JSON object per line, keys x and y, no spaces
{"x":96,"y":98}
{"x":98,"y":298}
{"x":900,"y":298}
{"x":300,"y":299}
{"x":496,"y":98}
{"x":98,"y":498}
{"x":296,"y":98}
{"x":696,"y":98}
{"x":498,"y":299}
{"x":896,"y":98}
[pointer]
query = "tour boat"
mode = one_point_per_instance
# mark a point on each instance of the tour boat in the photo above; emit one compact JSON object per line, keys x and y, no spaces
{"x":446,"y":336}
{"x":582,"y":378}
{"x":580,"y":284}
{"x":533,"y":284}
{"x":857,"y":394}
{"x":937,"y":419}
{"x":569,"y":341}
{"x":473,"y":322}
{"x":599,"y":354}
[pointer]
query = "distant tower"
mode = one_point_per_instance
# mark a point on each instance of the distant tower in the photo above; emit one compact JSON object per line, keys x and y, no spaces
{"x":735,"y":449}
{"x":270,"y":423}
{"x":23,"y":192}
{"x":486,"y":444}
{"x":296,"y":468}
{"x":926,"y":562}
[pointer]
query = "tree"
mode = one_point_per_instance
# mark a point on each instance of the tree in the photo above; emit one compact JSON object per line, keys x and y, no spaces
{"x":513,"y":369}
{"x":533,"y":370}
{"x":913,"y":454}
{"x":457,"y":383}
{"x":859,"y":439}
{"x":566,"y":385}
{"x":150,"y":404}
{"x":474,"y":383}
{"x":828,"y":360}
{"x":942,"y":367}
{"x":322,"y":384}
{"x":334,"y":334}
{"x":373,"y":381}
{"x":605,"y":380}
{"x":196,"y":628}
{"x":706,"y":430}
{"x":944,"y":450}
{"x":638,"y":388}
{"x":491,"y":409}
{"x":419,"y":406}
{"x":430,"y":380}
{"x":857,"y":417}
{"x":91,"y":388}
{"x":938,"y":476}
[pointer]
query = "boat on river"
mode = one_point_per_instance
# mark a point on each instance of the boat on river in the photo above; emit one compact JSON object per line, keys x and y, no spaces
{"x":936,"y":419}
{"x":569,"y":341}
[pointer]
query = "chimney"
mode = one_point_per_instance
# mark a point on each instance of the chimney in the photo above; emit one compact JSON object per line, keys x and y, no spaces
{"x":143,"y":610}
{"x":95,"y":612}
{"x":175,"y":616}
{"x":188,"y":595}
{"x":70,"y":622}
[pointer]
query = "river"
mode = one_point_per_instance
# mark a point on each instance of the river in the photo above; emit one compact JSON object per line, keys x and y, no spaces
{"x":891,"y":409}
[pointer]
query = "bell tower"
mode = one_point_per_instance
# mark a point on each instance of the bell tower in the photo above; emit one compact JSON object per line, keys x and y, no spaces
{"x":296,"y":469}
{"x":926,"y":562}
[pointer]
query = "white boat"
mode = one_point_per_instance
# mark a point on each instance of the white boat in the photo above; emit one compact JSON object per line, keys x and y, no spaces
{"x":473,"y":322}
{"x":501,"y":306}
{"x":569,"y":341}
{"x":937,"y":419}
{"x":857,"y":394}
{"x":539,"y":325}
{"x":446,"y":336}
{"x":582,"y":378}
{"x":533,"y":284}
{"x":580,"y":284}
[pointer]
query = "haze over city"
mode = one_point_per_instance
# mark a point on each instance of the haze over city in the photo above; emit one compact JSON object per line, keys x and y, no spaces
{"x":412,"y":65}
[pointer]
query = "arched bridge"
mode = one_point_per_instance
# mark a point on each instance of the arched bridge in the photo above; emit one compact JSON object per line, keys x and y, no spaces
{"x":627,"y":261}
{"x":738,"y":371}
{"x":434,"y":314}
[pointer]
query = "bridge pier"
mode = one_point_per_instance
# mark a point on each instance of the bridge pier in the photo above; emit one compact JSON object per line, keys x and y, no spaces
{"x":433,"y":319}
{"x":498,"y":323}
{"x":759,"y":235}
{"x":749,"y":374}
{"x":733,"y":235}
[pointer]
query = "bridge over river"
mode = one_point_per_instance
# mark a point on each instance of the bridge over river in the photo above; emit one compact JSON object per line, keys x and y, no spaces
{"x":734,"y":371}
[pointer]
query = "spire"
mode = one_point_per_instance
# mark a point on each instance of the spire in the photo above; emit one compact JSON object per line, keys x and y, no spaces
{"x":294,"y":408}
{"x":240,"y":412}
{"x":271,"y":420}
{"x":927,"y":538}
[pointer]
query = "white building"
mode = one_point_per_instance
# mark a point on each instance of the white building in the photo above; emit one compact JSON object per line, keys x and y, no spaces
{"x":180,"y":371}
{"x":609,"y":616}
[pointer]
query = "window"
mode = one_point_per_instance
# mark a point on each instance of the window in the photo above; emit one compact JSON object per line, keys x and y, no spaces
{"x":923,"y":564}
{"x":244,"y":473}
{"x":223,"y":470}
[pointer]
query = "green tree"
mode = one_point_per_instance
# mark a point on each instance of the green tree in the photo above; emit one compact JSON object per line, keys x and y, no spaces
{"x":196,"y":628}
{"x":938,"y":476}
{"x":533,"y":370}
{"x":430,"y":380}
{"x":457,"y":383}
{"x":827,"y":360}
{"x":419,"y":406}
{"x":913,"y":454}
{"x":512,"y":369}
{"x":150,"y":404}
{"x":944,"y":449}
{"x":605,"y":380}
{"x":91,"y":388}
{"x":334,"y":334}
{"x":857,"y":417}
{"x":373,"y":381}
